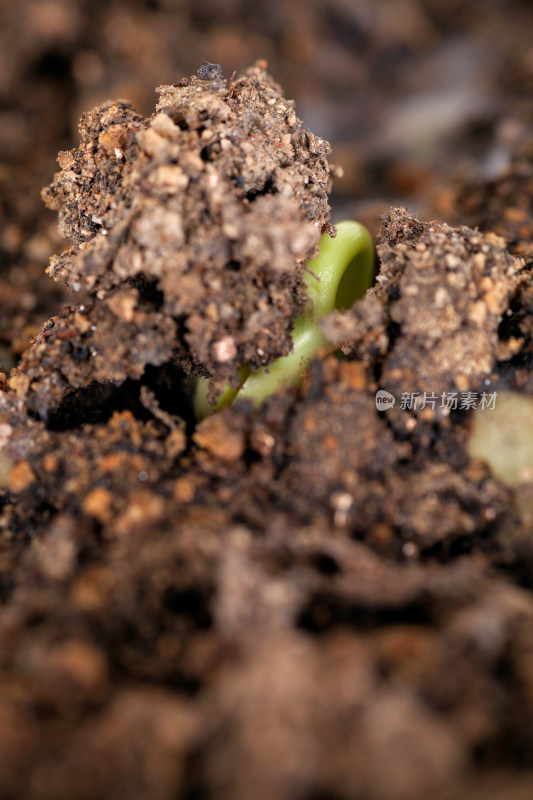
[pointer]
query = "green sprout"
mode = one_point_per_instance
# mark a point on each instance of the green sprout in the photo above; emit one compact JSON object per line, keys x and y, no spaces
{"x":338,"y":276}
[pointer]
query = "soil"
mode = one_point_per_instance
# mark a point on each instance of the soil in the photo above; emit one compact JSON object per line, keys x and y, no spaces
{"x":317,"y":599}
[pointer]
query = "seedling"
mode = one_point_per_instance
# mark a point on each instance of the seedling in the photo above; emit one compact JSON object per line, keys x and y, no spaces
{"x":340,"y":274}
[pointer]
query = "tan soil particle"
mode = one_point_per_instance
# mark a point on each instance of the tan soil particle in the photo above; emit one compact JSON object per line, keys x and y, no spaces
{"x":219,"y":437}
{"x":21,"y":477}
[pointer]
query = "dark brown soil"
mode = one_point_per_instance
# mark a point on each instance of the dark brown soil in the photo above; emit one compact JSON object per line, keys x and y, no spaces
{"x":314,"y":600}
{"x":210,"y":209}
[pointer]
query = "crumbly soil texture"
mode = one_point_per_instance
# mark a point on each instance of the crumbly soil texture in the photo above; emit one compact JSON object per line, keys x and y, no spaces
{"x":318,"y":599}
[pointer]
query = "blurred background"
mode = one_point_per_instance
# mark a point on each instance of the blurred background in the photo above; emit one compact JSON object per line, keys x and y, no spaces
{"x":414,"y":95}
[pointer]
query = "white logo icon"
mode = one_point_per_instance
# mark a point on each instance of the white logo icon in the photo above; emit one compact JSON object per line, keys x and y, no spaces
{"x":384,"y":400}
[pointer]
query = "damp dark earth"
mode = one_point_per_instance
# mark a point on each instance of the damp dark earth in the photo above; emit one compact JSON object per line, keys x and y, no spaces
{"x":327,"y":596}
